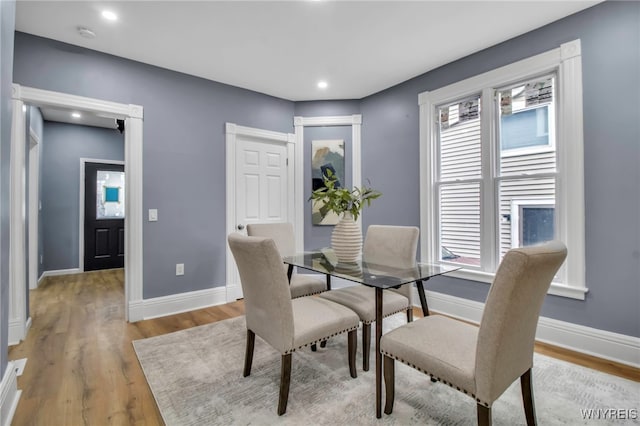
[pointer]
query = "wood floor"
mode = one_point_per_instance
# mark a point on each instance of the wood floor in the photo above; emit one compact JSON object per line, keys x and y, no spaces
{"x":82,"y":369}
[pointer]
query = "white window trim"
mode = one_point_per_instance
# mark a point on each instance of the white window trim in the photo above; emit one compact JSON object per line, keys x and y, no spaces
{"x":567,"y":61}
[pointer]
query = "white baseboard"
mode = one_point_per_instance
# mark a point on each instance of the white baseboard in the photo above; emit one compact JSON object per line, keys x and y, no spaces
{"x":602,"y":344}
{"x":176,"y":303}
{"x":9,"y":394}
{"x":59,"y":272}
{"x":18,"y":331}
{"x":234,"y":292}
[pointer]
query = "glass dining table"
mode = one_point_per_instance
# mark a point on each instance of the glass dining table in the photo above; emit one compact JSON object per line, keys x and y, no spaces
{"x":380,"y":277}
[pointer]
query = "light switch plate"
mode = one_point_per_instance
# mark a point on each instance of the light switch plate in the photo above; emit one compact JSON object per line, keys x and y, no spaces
{"x":153,"y":215}
{"x":179,"y":268}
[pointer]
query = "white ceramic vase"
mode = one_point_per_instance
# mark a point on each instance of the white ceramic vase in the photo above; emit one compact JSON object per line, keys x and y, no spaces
{"x":346,"y":239}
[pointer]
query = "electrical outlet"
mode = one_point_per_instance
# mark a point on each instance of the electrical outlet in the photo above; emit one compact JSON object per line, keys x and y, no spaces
{"x":179,"y":268}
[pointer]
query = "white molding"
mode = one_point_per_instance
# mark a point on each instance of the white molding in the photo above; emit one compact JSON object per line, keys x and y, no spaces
{"x":83,"y":162}
{"x":299,"y":188}
{"x":9,"y":394}
{"x":57,"y":272}
{"x":17,"y":233}
{"x":355,"y":121}
{"x":17,"y":330}
{"x":34,"y":209}
{"x":133,"y":222}
{"x":41,"y":97}
{"x":570,"y":188}
{"x":234,"y":292}
{"x":556,"y":289}
{"x":133,"y":115}
{"x":336,"y":120}
{"x":600,"y":343}
{"x":178,"y":303}
{"x":232,"y":132}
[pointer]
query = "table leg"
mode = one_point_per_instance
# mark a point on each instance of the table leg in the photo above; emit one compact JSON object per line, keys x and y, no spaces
{"x":378,"y":354}
{"x":328,"y":282}
{"x":423,"y":299}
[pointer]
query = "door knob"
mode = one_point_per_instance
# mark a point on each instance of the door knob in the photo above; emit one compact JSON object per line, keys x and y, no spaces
{"x":240,"y":227}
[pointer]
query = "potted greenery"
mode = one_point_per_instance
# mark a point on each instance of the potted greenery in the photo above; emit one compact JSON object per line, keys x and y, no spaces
{"x":346,"y":239}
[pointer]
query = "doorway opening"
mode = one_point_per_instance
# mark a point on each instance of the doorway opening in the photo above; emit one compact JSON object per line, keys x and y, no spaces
{"x":132,"y":115}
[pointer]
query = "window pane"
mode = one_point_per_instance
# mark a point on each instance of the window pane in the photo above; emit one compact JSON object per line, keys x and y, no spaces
{"x":527,"y":127}
{"x":460,"y":223}
{"x":527,"y":212}
{"x":459,"y":136}
{"x":109,"y":194}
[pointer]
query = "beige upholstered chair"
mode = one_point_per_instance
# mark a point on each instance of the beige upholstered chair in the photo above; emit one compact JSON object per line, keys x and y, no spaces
{"x":482,"y":362}
{"x":286,"y":324}
{"x":383,"y":245}
{"x":282,"y":234}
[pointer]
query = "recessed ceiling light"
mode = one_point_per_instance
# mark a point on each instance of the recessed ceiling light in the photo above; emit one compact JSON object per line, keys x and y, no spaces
{"x":109,"y":15}
{"x":323,"y":85}
{"x":76,"y":115}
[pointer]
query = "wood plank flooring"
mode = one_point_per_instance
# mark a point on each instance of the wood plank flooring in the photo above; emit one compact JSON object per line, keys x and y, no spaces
{"x":82,"y":369}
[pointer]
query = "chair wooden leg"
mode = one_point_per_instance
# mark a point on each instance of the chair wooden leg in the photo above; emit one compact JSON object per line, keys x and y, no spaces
{"x":248,"y":355}
{"x":410,"y":314}
{"x":527,"y":398}
{"x":389,"y":383}
{"x":285,"y":379}
{"x":366,"y":345}
{"x":484,"y":415}
{"x":353,"y":347}
{"x":323,"y":344}
{"x":314,"y":347}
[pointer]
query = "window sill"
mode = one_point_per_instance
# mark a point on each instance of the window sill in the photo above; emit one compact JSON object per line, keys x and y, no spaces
{"x":556,"y":289}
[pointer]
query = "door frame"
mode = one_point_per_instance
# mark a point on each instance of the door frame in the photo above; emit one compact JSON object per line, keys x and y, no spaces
{"x":133,"y":116}
{"x":299,"y":123}
{"x":232,"y":133}
{"x":83,"y":162}
{"x":34,"y":208}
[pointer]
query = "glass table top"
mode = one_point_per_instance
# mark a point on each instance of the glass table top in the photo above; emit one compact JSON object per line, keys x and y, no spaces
{"x":363,"y":272}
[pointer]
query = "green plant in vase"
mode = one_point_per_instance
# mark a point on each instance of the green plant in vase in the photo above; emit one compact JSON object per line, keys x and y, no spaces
{"x":346,"y":239}
{"x":341,"y":200}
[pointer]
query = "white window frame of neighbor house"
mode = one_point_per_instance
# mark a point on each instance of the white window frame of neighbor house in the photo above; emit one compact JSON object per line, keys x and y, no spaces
{"x":566,"y":63}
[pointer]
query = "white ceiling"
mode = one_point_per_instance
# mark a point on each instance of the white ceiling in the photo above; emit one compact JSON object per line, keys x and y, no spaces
{"x":283,"y":48}
{"x":86,"y":118}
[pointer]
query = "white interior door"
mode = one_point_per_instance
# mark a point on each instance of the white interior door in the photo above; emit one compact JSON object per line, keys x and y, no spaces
{"x":260,"y":185}
{"x":261,"y":182}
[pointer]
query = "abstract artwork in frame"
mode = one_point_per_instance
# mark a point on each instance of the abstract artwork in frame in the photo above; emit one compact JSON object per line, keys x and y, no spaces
{"x":326,"y":155}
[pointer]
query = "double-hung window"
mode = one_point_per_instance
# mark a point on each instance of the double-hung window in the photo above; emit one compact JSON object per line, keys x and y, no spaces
{"x":502,"y":166}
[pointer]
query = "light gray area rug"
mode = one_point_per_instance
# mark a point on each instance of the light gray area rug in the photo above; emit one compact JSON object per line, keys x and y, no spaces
{"x":196,"y":378}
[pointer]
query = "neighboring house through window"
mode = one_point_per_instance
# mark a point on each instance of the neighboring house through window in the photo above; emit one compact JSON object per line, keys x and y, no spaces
{"x":502,"y":166}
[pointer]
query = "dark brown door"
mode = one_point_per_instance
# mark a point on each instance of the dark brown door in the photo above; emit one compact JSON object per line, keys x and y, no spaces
{"x":103,"y":216}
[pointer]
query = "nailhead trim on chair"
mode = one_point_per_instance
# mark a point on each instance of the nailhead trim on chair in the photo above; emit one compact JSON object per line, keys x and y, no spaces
{"x":388,"y":315}
{"x":320,"y":340}
{"x":438,"y":378}
{"x":310,"y":294}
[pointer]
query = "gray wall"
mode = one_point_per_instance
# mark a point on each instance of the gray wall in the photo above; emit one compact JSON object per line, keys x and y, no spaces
{"x":610,"y":35}
{"x":7,"y":25}
{"x":62,"y":149}
{"x":183,"y":154}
